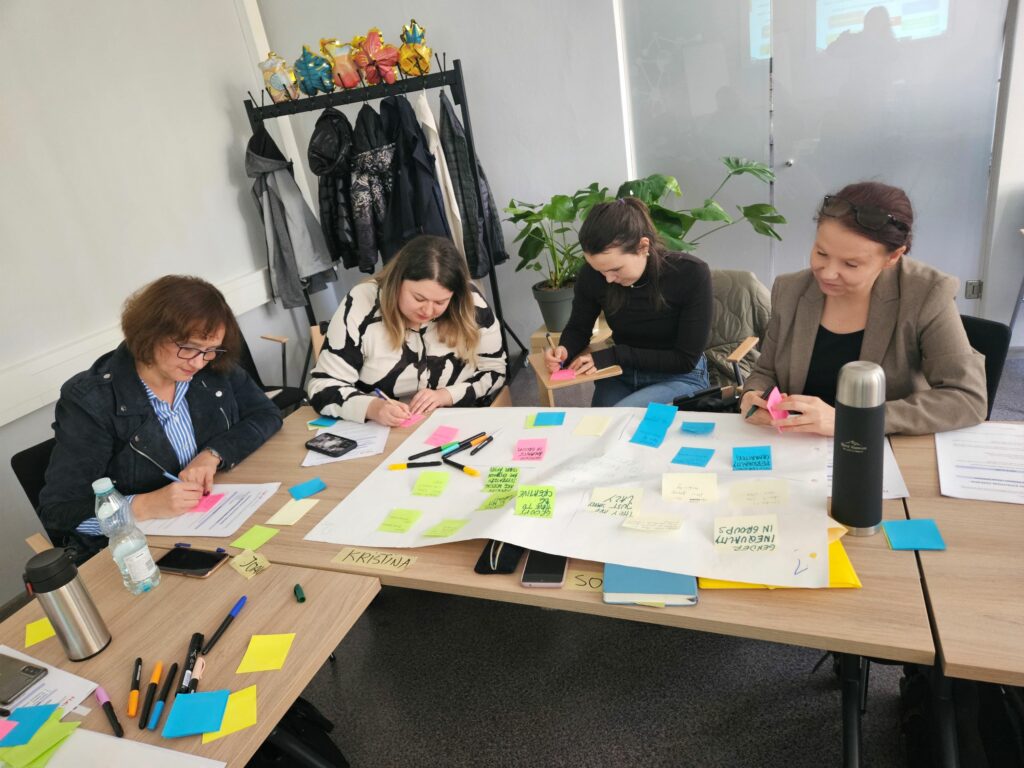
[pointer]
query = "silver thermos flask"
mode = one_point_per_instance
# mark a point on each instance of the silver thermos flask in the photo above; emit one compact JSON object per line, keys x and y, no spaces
{"x":53,"y":578}
{"x":858,"y":448}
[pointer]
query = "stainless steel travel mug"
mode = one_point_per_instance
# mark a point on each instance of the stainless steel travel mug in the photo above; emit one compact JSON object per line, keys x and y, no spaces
{"x":859,"y":442}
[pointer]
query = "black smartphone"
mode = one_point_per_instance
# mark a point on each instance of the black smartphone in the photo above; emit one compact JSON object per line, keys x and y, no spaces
{"x":331,"y":445}
{"x":16,"y":676}
{"x":198,"y":563}
{"x":499,"y":557}
{"x":544,"y":570}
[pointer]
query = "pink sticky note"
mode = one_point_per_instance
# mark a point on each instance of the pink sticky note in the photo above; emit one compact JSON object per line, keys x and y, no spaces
{"x":206,"y":503}
{"x":565,"y":374}
{"x":530,"y":450}
{"x":774,"y":398}
{"x":442,"y":435}
{"x":6,"y":726}
{"x":413,"y":420}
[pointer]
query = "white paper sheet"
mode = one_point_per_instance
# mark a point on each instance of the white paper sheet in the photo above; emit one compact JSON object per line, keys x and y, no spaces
{"x":57,"y":687}
{"x":893,"y":485}
{"x":371,"y":438}
{"x":224,"y":519}
{"x":575,"y":465}
{"x":985,"y":462}
{"x":90,"y":749}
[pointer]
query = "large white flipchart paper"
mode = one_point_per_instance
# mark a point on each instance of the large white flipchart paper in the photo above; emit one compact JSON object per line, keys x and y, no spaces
{"x":574,"y":465}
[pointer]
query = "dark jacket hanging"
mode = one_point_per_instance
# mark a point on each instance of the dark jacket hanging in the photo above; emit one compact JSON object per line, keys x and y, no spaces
{"x":481,"y":225}
{"x":330,"y":156}
{"x":372,"y":156}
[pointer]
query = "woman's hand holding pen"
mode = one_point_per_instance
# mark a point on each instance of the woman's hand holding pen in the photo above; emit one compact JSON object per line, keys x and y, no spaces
{"x":170,"y":501}
{"x":390,"y":413}
{"x":200,"y":470}
{"x":753,"y":400}
{"x":426,"y":400}
{"x":554,"y":357}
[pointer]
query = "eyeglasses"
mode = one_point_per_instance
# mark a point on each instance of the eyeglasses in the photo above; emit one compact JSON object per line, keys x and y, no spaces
{"x":868,"y":216}
{"x":185,"y":352}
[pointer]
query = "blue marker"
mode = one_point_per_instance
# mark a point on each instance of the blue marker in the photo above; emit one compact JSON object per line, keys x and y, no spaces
{"x":224,"y":624}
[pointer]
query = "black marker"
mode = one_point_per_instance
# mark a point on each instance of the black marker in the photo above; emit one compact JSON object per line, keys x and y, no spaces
{"x":154,"y":681}
{"x":133,"y":697}
{"x":108,"y":708}
{"x":764,"y":396}
{"x":490,"y":439}
{"x":190,"y":661}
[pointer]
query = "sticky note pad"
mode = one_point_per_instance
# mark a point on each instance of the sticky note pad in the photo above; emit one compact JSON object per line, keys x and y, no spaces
{"x":698,"y":427}
{"x":199,"y":712}
{"x":29,"y":720}
{"x":592,"y":426}
{"x":530,"y":449}
{"x":535,"y":501}
{"x":564,"y":374}
{"x":37,"y":631}
{"x":207,"y":502}
{"x":692,"y":488}
{"x":693,"y":457}
{"x":498,"y":500}
{"x":308,"y":488}
{"x":752,"y":457}
{"x":323,"y":421}
{"x":41,"y":747}
{"x":248,"y":563}
{"x":913,"y":534}
{"x":413,"y":420}
{"x":254,"y":538}
{"x":431,"y":483}
{"x":399,"y":521}
{"x":501,"y":479}
{"x":549,"y":419}
{"x":239,"y":714}
{"x":292,"y":511}
{"x":445,"y":528}
{"x":442,"y":435}
{"x":265,"y":653}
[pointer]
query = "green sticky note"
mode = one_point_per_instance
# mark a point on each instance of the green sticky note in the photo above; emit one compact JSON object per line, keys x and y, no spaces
{"x":530,"y":420}
{"x":445,"y":528}
{"x":501,"y":479}
{"x":431,"y":483}
{"x":498,"y":500}
{"x":50,"y":735}
{"x":399,"y":520}
{"x":255,"y":537}
{"x":535,"y":501}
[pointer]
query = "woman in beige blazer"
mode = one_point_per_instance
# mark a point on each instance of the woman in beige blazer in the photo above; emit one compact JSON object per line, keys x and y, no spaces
{"x":863,"y":299}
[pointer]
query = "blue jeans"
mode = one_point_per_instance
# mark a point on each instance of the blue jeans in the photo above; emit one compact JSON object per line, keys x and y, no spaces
{"x":638,"y":389}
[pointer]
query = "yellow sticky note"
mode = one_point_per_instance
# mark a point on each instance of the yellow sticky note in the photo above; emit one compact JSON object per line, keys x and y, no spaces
{"x":650,"y":604}
{"x":37,"y":631}
{"x":529,"y":421}
{"x":591,"y":426}
{"x":498,"y":500}
{"x":840,"y":569}
{"x":255,"y":537}
{"x":292,"y":512}
{"x":585,"y":581}
{"x":248,"y":563}
{"x":761,"y":492}
{"x":746,"y":533}
{"x":431,"y":483}
{"x":445,"y":528}
{"x":239,"y":715}
{"x":373,"y":558}
{"x":266,"y":653}
{"x":653,"y":523}
{"x":535,"y":501}
{"x":610,"y":500}
{"x":399,"y":520}
{"x":690,"y":487}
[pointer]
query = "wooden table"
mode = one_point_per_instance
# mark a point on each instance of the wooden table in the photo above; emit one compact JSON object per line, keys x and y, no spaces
{"x":158,"y":626}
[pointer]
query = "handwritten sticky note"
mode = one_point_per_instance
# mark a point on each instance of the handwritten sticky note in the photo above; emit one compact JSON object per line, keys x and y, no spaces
{"x":653,"y":523}
{"x":248,"y":563}
{"x":265,"y":653}
{"x":29,"y":720}
{"x":399,"y":521}
{"x":592,"y":426}
{"x":746,"y":533}
{"x":255,"y":537}
{"x":501,"y":479}
{"x":308,"y":488}
{"x":535,"y":501}
{"x":206,"y":503}
{"x":760,"y":493}
{"x":498,"y":500}
{"x":292,"y":511}
{"x":913,"y":534}
{"x":563,"y":374}
{"x":442,"y":435}
{"x":37,"y":631}
{"x":585,"y":581}
{"x":373,"y":559}
{"x":239,"y":714}
{"x":650,"y":434}
{"x":196,"y":713}
{"x":693,"y":457}
{"x":431,"y":483}
{"x":698,"y":427}
{"x":532,"y":449}
{"x":610,"y":500}
{"x":549,"y":419}
{"x":413,"y":420}
{"x":445,"y":528}
{"x":323,"y":421}
{"x":752,"y":457}
{"x":692,"y":488}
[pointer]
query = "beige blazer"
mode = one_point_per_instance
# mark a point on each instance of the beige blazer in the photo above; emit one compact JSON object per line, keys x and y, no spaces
{"x":934,"y":380}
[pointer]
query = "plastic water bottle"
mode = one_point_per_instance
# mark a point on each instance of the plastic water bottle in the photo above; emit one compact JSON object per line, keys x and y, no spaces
{"x":127,"y":542}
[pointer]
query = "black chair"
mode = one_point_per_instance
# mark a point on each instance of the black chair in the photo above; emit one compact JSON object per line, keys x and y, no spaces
{"x":992,"y":339}
{"x":29,"y":467}
{"x":286,"y":398}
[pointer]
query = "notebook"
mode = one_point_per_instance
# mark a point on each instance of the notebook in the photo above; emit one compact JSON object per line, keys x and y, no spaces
{"x":623,"y":584}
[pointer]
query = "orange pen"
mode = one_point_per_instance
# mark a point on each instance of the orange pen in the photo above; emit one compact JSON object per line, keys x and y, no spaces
{"x":154,"y":681}
{"x":133,"y":697}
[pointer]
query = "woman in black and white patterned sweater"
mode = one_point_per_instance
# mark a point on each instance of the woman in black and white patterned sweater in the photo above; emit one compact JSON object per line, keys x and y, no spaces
{"x":419,"y":331}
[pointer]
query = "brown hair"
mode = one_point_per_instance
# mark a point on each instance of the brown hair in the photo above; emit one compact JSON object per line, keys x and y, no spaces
{"x":428,"y":257}
{"x":176,"y":308}
{"x":622,"y":224}
{"x":891,"y":200}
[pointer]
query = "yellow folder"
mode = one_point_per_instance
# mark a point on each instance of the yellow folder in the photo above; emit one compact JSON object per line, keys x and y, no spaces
{"x":840,"y":573}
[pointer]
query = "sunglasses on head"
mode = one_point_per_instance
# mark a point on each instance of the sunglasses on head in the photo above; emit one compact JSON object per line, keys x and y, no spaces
{"x":868,"y":216}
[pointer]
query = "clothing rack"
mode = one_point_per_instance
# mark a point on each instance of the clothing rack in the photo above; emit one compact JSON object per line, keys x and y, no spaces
{"x":446,"y":77}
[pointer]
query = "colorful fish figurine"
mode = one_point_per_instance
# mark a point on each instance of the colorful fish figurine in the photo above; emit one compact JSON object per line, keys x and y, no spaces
{"x":313,"y":73}
{"x":414,"y":55}
{"x":278,"y":78}
{"x":375,"y":59}
{"x":342,"y":67}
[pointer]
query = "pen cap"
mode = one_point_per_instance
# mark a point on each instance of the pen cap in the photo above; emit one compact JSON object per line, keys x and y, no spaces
{"x":858,"y":448}
{"x":53,"y":578}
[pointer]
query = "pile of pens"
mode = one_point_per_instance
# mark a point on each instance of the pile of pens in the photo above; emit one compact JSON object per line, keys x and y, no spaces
{"x":477,"y":442}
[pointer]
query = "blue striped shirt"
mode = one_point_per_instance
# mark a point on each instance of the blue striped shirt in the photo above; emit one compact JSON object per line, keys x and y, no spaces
{"x":176,"y":421}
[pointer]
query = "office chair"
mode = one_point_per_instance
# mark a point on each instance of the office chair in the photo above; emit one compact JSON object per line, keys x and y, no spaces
{"x":29,"y":467}
{"x":286,"y":398}
{"x":992,"y":339}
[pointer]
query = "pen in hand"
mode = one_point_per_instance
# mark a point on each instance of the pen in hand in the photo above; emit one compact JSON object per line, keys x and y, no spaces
{"x":764,"y":396}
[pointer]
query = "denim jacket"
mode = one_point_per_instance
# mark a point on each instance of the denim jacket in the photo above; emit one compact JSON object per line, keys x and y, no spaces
{"x":106,"y":427}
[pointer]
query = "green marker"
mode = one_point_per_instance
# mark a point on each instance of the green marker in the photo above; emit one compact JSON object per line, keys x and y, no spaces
{"x":300,"y":596}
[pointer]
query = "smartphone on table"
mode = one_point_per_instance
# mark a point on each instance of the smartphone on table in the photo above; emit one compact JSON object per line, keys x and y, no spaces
{"x":17,"y":676}
{"x":499,"y":557}
{"x":331,"y":445}
{"x":198,"y":563}
{"x":544,"y":570}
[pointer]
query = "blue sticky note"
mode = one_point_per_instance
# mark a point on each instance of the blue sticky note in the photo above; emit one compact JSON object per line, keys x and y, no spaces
{"x":694,"y":457}
{"x":308,"y":488}
{"x":193,"y":713}
{"x":29,"y":720}
{"x":698,"y":427}
{"x":323,"y":421}
{"x":659,"y":413}
{"x":649,"y":434}
{"x":549,"y":419}
{"x":752,"y":457}
{"x":913,"y":534}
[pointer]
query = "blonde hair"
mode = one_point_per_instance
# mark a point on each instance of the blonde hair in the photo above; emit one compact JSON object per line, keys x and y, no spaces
{"x":427,"y":257}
